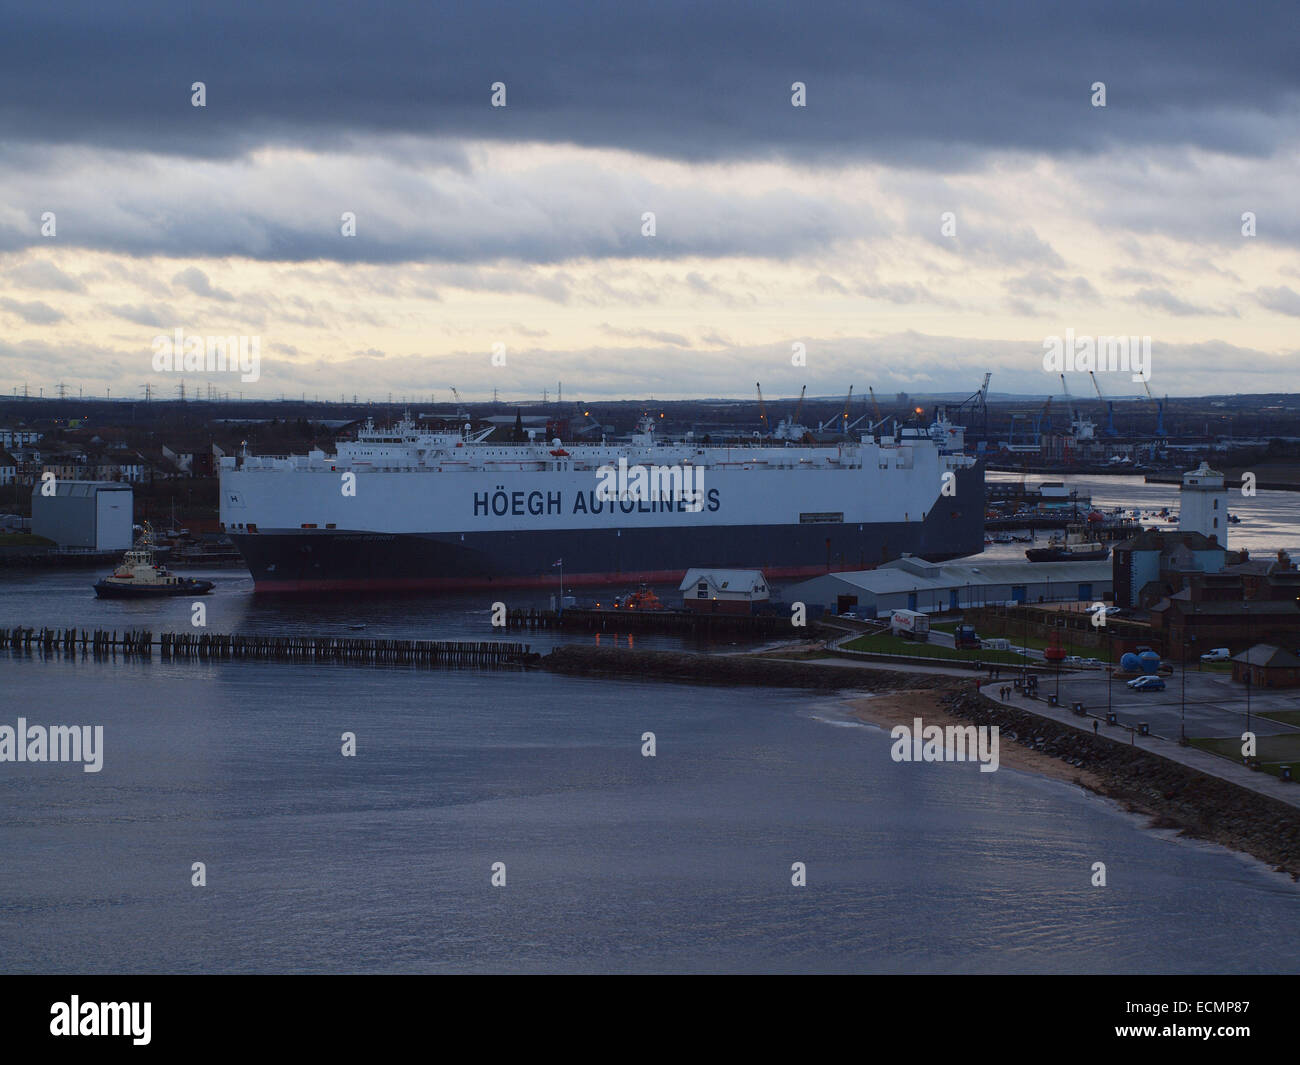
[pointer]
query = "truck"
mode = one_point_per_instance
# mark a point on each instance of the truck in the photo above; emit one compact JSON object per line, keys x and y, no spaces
{"x":910,"y":624}
{"x":964,"y":638}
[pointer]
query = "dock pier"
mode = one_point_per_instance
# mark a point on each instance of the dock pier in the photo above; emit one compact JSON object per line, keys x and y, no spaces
{"x":207,"y":646}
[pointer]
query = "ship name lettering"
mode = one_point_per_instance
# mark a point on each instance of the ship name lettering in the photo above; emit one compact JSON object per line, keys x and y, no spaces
{"x":499,"y":497}
{"x":516,"y":503}
{"x":554,"y":503}
{"x":534,"y":502}
{"x":480,"y":500}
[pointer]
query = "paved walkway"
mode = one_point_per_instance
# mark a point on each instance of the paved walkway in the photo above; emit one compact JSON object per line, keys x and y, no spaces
{"x":1192,"y":757}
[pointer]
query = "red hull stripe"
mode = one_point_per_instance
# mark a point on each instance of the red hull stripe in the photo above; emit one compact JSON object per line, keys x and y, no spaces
{"x":361,"y":584}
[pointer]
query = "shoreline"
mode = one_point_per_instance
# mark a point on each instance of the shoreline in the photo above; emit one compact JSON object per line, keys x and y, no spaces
{"x":1176,"y":799}
{"x":900,"y":707}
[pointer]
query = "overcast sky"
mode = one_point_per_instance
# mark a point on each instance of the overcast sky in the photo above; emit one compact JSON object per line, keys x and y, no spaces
{"x":521,"y":226}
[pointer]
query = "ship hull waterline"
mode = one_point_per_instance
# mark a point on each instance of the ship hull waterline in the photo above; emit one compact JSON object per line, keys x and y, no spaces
{"x":288,"y":561}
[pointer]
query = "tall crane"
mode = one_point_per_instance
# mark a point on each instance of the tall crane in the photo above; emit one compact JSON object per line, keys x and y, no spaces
{"x":844,"y":418}
{"x":874,"y":405}
{"x":1160,"y":410}
{"x":799,"y":409}
{"x":762,"y":410}
{"x":1110,"y":407}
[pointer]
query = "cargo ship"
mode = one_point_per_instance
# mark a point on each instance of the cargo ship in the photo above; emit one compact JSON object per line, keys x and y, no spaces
{"x":407,"y":507}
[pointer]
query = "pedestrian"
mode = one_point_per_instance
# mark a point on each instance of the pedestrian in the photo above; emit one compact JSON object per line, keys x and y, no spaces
{"x":1096,"y":726}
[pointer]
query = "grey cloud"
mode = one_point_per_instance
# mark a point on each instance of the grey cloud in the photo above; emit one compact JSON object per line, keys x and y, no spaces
{"x":1053,"y":286}
{"x":657,"y":335}
{"x":160,"y":317}
{"x":1160,"y":299}
{"x":1282,"y":299}
{"x":915,"y":79}
{"x":196,"y":281}
{"x":42,"y":274}
{"x":33,"y":313}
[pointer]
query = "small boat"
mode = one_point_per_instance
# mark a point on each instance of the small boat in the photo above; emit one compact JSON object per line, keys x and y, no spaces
{"x":1076,"y":545}
{"x":642,"y":599}
{"x":139,"y":576}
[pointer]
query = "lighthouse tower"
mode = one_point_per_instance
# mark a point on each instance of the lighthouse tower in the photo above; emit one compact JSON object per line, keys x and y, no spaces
{"x":1203,"y":504}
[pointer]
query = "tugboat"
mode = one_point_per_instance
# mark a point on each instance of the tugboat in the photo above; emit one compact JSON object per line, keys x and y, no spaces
{"x":139,"y":576}
{"x":1075,"y":546}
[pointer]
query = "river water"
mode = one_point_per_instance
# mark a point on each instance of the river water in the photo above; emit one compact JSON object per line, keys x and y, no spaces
{"x":613,"y":861}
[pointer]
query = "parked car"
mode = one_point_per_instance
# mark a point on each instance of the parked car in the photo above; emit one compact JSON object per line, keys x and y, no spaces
{"x":1093,"y":663}
{"x":1147,"y":684}
{"x":1219,"y":654}
{"x":1111,"y":611}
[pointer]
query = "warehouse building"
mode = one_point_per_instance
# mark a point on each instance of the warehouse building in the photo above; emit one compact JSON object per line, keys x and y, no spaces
{"x":94,"y":515}
{"x":932,"y":587}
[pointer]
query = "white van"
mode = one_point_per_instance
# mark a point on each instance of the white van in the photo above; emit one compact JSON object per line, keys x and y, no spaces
{"x":1218,"y":654}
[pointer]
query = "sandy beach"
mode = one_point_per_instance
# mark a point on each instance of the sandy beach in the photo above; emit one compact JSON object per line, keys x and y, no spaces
{"x":899,"y":708}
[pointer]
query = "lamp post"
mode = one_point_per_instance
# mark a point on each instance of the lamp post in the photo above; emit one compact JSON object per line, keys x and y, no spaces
{"x":1246,"y":610}
{"x":1110,"y":671}
{"x":1182,"y":702}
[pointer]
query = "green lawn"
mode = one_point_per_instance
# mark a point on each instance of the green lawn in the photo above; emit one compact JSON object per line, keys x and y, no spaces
{"x":1287,"y":717}
{"x":885,"y":644}
{"x":1273,"y":751}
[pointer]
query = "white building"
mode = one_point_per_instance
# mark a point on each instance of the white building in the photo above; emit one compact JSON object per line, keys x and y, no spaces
{"x":723,"y":591}
{"x":96,"y":515}
{"x":1203,"y":504}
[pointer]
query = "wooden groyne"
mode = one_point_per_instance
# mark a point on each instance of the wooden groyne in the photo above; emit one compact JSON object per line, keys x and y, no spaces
{"x":206,"y":646}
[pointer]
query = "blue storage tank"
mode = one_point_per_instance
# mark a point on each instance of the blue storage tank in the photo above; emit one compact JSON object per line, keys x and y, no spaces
{"x":1150,"y":661}
{"x":1130,"y":663}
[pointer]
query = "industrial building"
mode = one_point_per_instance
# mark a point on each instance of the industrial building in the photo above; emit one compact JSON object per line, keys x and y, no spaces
{"x":94,"y":515}
{"x":914,"y":584}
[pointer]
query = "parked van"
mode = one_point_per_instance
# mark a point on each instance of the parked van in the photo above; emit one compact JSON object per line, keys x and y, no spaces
{"x":1218,"y":654}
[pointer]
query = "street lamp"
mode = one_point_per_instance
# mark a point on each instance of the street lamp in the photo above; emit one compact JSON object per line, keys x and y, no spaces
{"x":1110,"y":671}
{"x":1245,"y":609}
{"x":1182,"y":702}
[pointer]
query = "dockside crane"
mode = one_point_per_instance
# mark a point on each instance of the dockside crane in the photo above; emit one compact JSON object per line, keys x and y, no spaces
{"x":1160,"y":411}
{"x":977,"y":404}
{"x":844,"y":418}
{"x":762,"y":410}
{"x":462,"y":411}
{"x":874,"y":405}
{"x":1110,"y":407}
